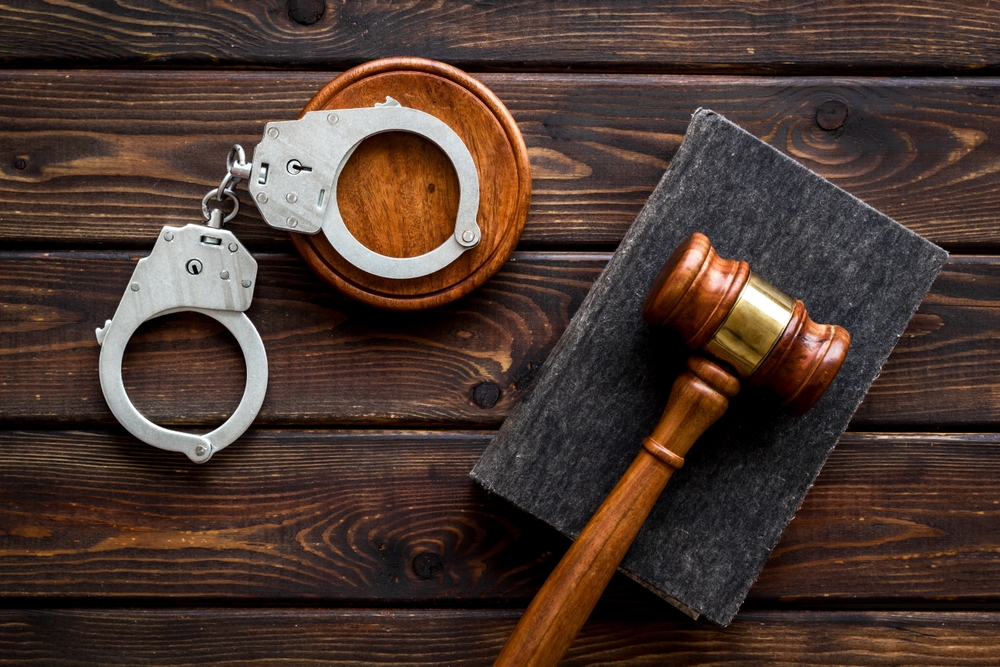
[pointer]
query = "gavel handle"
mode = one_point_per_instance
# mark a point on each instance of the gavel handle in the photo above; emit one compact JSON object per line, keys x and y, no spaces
{"x":543,"y":635}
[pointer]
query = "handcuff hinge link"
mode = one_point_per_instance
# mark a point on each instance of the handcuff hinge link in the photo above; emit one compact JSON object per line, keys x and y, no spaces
{"x":215,"y":218}
{"x":237,"y":163}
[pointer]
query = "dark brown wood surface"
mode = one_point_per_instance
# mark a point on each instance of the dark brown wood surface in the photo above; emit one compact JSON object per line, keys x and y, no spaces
{"x":308,"y":637}
{"x":946,"y":37}
{"x":336,"y":363}
{"x":107,"y":158}
{"x":377,"y":518}
{"x":343,"y":528}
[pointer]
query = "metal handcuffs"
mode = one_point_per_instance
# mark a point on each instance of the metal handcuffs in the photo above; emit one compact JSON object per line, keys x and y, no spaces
{"x":201,"y":268}
{"x":294,"y":195}
{"x":204,"y":269}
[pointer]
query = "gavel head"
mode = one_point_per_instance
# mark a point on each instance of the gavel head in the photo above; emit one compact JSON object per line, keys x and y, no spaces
{"x":721,"y":308}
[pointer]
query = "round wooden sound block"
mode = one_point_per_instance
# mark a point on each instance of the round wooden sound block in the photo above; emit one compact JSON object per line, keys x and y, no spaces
{"x":398,"y":193}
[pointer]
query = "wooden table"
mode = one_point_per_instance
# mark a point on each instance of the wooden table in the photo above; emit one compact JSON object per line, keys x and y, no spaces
{"x":343,"y":528}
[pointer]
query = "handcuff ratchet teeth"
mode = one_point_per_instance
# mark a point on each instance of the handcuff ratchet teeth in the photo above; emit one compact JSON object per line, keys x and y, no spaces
{"x":198,"y":268}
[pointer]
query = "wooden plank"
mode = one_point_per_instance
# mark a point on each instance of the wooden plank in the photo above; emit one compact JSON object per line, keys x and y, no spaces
{"x":335,"y":363}
{"x":287,"y":515}
{"x":391,"y":518}
{"x":196,"y":637}
{"x":791,"y":37}
{"x":875,"y":524}
{"x":109,"y":157}
{"x":942,"y":375}
{"x":330,"y":360}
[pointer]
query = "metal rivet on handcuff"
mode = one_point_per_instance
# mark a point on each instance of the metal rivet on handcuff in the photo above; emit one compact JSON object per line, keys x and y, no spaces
{"x":203,"y":268}
{"x":198,"y":268}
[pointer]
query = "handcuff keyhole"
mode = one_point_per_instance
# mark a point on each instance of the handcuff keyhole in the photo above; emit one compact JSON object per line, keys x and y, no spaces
{"x":295,"y":167}
{"x":194,"y":267}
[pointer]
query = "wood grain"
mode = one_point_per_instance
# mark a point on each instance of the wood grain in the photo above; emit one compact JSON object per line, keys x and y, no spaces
{"x":373,"y":547}
{"x":392,"y":202}
{"x":869,"y":530}
{"x":110,"y":157}
{"x":392,"y":518}
{"x":333,"y":362}
{"x":196,"y":637}
{"x":330,"y":360}
{"x":958,"y":370}
{"x":922,"y":35}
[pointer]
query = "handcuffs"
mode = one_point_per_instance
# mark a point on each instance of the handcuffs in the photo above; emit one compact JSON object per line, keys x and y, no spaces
{"x":204,"y":268}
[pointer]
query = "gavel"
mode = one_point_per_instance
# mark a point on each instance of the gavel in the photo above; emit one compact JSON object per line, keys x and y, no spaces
{"x":755,"y":333}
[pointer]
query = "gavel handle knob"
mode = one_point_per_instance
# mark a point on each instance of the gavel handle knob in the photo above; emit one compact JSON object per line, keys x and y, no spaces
{"x":543,"y":635}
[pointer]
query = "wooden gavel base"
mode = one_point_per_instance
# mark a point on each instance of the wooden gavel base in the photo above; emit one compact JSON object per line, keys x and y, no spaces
{"x":398,"y":193}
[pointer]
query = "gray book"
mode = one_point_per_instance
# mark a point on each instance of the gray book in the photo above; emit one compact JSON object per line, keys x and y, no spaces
{"x":606,"y":382}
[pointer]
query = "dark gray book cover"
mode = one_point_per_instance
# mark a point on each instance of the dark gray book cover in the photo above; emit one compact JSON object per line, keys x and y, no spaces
{"x":606,"y":382}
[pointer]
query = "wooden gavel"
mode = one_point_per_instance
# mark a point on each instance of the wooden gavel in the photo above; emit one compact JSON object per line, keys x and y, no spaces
{"x":761,"y":336}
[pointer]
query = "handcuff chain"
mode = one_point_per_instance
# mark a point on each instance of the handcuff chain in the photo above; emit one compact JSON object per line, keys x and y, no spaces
{"x":237,"y":170}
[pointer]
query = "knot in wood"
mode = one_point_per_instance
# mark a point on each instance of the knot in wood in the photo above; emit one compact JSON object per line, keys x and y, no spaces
{"x":832,"y":114}
{"x":306,"y":12}
{"x":426,"y":565}
{"x":486,"y":394}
